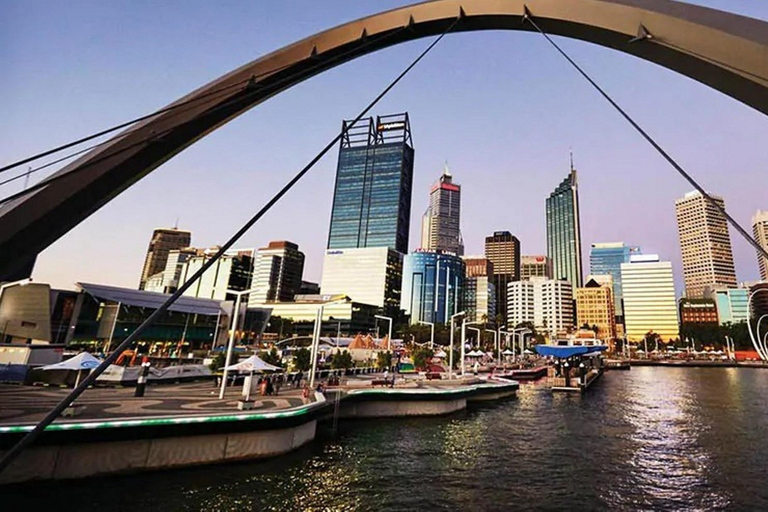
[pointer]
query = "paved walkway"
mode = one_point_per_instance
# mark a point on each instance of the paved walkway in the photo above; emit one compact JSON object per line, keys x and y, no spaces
{"x":27,"y":404}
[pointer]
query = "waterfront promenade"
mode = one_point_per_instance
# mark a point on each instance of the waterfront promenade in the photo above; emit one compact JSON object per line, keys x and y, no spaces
{"x":28,"y":404}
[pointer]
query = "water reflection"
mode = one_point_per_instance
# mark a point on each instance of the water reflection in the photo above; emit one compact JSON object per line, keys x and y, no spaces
{"x":651,"y":438}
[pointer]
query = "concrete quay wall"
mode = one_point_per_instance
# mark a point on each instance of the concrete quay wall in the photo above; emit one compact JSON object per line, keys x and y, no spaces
{"x":394,"y":409}
{"x":90,"y":459}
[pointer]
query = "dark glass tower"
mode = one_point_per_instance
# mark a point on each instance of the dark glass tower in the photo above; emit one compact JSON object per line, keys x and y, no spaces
{"x":564,"y":231}
{"x":372,"y":198}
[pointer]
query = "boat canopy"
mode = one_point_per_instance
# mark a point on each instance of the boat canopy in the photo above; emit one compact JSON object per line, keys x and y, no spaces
{"x":566,"y":351}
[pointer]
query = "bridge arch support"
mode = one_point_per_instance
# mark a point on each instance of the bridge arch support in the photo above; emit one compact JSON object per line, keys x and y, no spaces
{"x":724,"y":51}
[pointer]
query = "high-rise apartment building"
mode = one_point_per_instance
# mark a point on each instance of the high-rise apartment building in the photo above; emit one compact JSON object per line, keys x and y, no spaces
{"x":433,"y":286}
{"x":535,"y":266}
{"x":372,"y":196}
{"x":595,"y":307}
{"x":704,"y":243}
{"x":547,"y":303}
{"x":233,"y":271}
{"x":503,"y":250}
{"x":649,"y":298}
{"x":167,"y":281}
{"x":760,"y":232}
{"x":606,"y":259}
{"x":564,"y":231}
{"x":163,"y":241}
{"x":277,"y":273}
{"x":441,"y":229}
{"x":480,"y":292}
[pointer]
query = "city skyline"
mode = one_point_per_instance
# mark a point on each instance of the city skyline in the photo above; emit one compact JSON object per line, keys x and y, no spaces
{"x":213,"y":171}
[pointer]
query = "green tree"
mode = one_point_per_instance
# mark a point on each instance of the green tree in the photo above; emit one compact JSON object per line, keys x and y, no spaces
{"x":272,"y":357}
{"x":342,"y":360}
{"x":384,"y":360}
{"x":302,"y":359}
{"x":421,"y":357}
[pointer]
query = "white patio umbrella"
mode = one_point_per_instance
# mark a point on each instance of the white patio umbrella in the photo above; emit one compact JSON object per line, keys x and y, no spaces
{"x":253,"y":364}
{"x":528,"y":352}
{"x":441,"y":354}
{"x":508,"y":352}
{"x":82,"y":361}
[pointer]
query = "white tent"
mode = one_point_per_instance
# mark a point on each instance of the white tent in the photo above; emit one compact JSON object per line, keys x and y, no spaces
{"x":82,"y":361}
{"x":253,"y":364}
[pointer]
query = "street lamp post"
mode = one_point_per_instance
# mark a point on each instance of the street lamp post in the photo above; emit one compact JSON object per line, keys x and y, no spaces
{"x":432,"y":338}
{"x":463,"y":343}
{"x":506,"y":334}
{"x":450,"y":354}
{"x":519,"y":331}
{"x":230,"y":346}
{"x":316,"y":339}
{"x":389,"y":336}
{"x":478,"y":334}
{"x":496,"y":344}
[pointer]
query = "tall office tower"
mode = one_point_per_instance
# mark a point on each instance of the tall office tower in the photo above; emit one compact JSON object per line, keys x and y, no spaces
{"x":371,"y":212}
{"x":503,"y":250}
{"x":277,"y":273}
{"x":760,"y":231}
{"x":564,"y":231}
{"x":233,"y":271}
{"x":433,"y":286}
{"x":372,"y":197}
{"x":440,"y":228}
{"x":649,"y":297}
{"x":704,"y":243}
{"x":163,"y":240}
{"x":595,"y":306}
{"x":479,"y":290}
{"x":535,"y":266}
{"x":547,"y":303}
{"x":606,"y":259}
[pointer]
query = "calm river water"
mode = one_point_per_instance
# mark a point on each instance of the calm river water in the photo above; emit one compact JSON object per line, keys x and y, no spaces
{"x":650,"y":438}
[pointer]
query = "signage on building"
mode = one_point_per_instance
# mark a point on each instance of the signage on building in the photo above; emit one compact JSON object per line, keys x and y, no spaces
{"x":383,"y":127}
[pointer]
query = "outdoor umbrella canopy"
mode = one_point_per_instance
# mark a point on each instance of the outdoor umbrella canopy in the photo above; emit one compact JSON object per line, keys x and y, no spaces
{"x":253,"y":364}
{"x":508,"y":352}
{"x":82,"y":361}
{"x":441,"y":354}
{"x":529,"y":352}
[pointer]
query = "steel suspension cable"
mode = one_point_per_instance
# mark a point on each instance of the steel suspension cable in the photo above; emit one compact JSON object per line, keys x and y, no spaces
{"x":761,"y":250}
{"x":174,"y":109}
{"x":30,"y":437}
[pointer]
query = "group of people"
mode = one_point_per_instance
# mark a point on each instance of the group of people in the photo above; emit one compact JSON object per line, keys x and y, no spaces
{"x":270,"y":385}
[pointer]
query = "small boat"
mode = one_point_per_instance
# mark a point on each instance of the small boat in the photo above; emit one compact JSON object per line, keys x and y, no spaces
{"x":578,"y":362}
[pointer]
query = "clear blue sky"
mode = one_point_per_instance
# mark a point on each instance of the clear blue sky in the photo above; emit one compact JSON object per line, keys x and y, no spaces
{"x":501,"y":107}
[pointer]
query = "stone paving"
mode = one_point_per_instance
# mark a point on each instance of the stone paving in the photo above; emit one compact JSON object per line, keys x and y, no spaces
{"x":27,"y":404}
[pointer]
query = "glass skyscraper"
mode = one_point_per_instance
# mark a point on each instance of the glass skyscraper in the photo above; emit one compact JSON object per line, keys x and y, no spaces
{"x":372,"y":197}
{"x":433,"y":286}
{"x":606,"y":258}
{"x":564,"y":231}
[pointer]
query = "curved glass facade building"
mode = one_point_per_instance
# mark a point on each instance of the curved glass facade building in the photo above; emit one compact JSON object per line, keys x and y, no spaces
{"x":564,"y":231}
{"x":433,"y":286}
